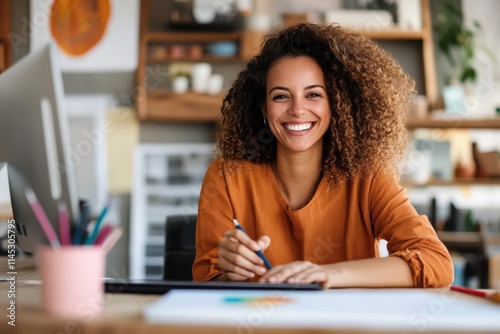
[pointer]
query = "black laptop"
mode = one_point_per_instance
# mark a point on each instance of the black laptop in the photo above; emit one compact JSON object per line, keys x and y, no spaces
{"x":160,"y":286}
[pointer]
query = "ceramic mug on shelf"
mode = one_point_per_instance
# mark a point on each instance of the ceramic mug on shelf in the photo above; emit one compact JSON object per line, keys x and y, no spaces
{"x":215,"y":82}
{"x":180,"y":84}
{"x":200,"y":74}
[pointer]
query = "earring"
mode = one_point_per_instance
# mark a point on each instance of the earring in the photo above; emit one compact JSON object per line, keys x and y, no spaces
{"x":265,"y":121}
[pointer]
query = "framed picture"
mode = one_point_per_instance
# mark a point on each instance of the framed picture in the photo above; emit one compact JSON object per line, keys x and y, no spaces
{"x":92,"y":35}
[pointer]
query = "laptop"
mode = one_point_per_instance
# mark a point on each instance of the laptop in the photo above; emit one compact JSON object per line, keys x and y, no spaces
{"x":138,"y":286}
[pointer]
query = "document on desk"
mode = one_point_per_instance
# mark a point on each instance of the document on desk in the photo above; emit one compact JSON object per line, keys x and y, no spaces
{"x":400,"y":309}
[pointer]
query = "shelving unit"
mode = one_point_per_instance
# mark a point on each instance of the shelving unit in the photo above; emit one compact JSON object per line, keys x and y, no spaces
{"x":166,"y":106}
{"x":167,"y":181}
{"x":472,"y":245}
{"x":5,"y":29}
{"x":454,"y":123}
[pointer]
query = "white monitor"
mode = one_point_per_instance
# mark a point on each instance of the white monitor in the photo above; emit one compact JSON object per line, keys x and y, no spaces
{"x":34,"y":140}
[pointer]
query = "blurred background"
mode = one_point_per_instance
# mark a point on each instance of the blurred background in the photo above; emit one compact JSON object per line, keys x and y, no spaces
{"x":144,"y":81}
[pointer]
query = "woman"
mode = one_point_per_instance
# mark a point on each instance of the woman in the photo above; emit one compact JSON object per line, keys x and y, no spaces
{"x":310,"y":143}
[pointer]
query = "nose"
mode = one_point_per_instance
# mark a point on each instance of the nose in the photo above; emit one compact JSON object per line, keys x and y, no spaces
{"x":297,"y":107}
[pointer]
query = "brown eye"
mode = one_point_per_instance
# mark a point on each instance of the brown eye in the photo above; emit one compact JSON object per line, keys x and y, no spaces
{"x":279,"y":97}
{"x":313,"y":95}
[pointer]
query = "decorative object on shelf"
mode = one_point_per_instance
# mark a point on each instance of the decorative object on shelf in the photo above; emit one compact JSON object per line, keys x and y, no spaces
{"x":487,"y":163}
{"x":206,"y":15}
{"x":223,"y":49}
{"x":419,"y":169}
{"x":180,"y":84}
{"x":86,"y":45}
{"x":420,"y":107}
{"x":200,"y":74}
{"x":195,"y":51}
{"x":179,"y":74}
{"x":464,"y":170}
{"x":409,"y":14}
{"x":215,"y":82}
{"x":360,"y":19}
{"x":440,"y":159}
{"x":454,"y":99}
{"x":456,"y":42}
{"x":177,"y":51}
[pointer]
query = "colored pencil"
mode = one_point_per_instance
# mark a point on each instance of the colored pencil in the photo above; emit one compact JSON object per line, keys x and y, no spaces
{"x":42,"y":218}
{"x":493,"y":296}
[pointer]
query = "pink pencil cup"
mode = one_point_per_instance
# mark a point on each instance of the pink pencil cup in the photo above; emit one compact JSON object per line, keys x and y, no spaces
{"x":72,"y":280}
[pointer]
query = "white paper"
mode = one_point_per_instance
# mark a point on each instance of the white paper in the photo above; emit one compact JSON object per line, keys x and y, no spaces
{"x":403,"y":309}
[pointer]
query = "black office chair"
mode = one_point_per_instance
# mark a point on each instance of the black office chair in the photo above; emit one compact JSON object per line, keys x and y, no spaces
{"x":180,"y":232}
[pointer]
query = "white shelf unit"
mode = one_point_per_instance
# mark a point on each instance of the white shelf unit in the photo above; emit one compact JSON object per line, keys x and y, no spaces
{"x":167,"y":181}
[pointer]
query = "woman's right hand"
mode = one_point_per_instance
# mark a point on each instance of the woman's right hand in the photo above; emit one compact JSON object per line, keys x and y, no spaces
{"x":237,"y":258}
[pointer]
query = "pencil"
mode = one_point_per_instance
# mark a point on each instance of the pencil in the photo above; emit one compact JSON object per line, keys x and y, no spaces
{"x":103,"y":234}
{"x":91,"y":238}
{"x":82,"y":225}
{"x":42,"y":218}
{"x":112,"y":239}
{"x":259,"y":252}
{"x":493,"y":296}
{"x":64,"y":230}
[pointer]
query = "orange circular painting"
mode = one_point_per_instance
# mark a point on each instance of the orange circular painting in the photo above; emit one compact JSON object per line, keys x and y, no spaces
{"x":78,"y":25}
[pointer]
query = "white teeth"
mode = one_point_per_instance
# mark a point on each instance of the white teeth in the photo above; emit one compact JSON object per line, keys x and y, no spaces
{"x":298,"y":127}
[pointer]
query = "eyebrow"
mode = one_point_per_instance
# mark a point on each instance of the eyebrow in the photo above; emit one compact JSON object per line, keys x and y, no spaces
{"x":287,"y":89}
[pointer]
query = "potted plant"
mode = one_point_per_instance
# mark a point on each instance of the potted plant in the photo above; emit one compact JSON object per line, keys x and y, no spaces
{"x":456,"y":42}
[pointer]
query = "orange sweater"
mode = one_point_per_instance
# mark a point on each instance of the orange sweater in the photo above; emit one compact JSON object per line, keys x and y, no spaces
{"x":336,"y":225}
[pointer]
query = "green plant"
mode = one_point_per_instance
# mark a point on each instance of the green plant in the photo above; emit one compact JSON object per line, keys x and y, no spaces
{"x":456,"y":41}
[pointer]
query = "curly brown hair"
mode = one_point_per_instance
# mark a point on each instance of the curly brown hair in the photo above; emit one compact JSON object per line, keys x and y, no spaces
{"x":368,"y":92}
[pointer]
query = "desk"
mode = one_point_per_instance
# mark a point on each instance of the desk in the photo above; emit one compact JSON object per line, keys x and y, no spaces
{"x":122,"y":314}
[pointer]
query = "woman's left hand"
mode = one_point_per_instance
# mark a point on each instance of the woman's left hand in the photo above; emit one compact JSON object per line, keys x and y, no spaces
{"x":299,"y":272}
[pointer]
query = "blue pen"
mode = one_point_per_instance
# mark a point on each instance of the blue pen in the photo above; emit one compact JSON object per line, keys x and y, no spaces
{"x":259,"y":252}
{"x":82,"y":225}
{"x":95,"y":232}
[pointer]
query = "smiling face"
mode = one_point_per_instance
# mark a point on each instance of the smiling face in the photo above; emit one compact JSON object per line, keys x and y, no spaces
{"x":296,"y":106}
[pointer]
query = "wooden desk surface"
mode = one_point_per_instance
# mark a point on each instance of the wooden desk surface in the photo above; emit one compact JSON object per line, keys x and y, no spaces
{"x":122,"y":314}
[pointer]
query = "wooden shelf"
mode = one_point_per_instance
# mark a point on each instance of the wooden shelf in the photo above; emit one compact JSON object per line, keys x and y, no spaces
{"x":461,"y":240}
{"x":457,"y":182}
{"x":210,"y":59}
{"x":188,"y":107}
{"x":455,"y":123}
{"x":190,"y":37}
{"x":464,"y":237}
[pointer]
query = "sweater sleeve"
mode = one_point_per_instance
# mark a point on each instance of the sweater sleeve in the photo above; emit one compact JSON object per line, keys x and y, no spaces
{"x":215,"y":214}
{"x":408,"y":234}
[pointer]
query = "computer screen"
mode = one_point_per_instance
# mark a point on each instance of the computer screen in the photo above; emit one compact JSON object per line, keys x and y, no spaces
{"x":34,"y":142}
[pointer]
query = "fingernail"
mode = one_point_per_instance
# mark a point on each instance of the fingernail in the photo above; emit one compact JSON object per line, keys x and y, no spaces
{"x":252,"y":275}
{"x":261,"y":271}
{"x":262,"y":244}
